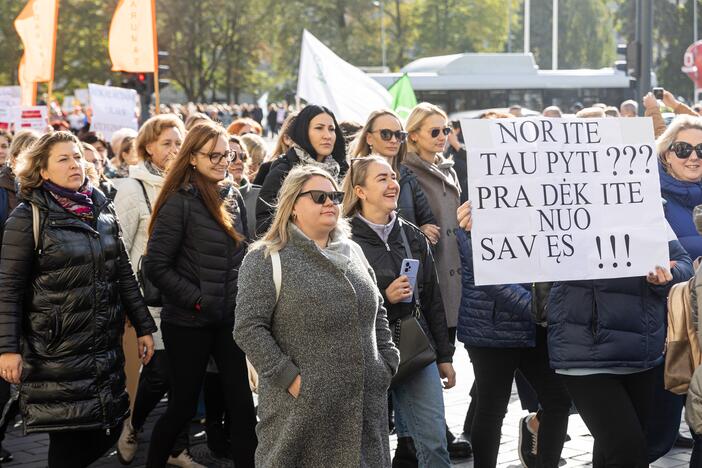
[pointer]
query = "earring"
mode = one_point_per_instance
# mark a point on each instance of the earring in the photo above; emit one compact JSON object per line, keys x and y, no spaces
{"x":293,"y":217}
{"x":194,"y":168}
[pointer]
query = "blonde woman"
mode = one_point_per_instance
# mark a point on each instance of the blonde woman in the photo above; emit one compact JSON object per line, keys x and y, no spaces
{"x":256,"y":149}
{"x":428,"y":129}
{"x":323,"y":347}
{"x":384,"y":135}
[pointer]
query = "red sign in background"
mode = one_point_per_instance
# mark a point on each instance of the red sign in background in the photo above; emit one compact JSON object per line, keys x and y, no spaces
{"x":692,"y":63}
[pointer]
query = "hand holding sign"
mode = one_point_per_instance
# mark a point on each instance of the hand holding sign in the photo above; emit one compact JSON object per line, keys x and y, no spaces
{"x":563,"y":199}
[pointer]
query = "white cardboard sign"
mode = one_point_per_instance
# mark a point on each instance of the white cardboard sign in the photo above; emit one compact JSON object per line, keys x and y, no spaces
{"x":564,"y":199}
{"x":113,"y":109}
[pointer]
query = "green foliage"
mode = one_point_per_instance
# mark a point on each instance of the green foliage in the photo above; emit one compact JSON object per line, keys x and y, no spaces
{"x":222,"y":49}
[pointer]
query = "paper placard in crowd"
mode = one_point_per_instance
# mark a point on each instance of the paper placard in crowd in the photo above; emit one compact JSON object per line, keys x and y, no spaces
{"x":83,"y":95}
{"x":31,"y":117}
{"x":10,"y":97}
{"x":564,"y":199}
{"x":113,"y":108}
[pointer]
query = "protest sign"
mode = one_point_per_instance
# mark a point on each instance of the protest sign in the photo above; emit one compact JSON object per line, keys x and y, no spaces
{"x":83,"y":96}
{"x":564,"y":199}
{"x":10,"y":97}
{"x":113,"y":108}
{"x":31,"y":117}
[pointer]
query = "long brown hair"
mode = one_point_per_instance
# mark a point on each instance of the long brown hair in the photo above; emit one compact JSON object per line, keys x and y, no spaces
{"x":181,"y":174}
{"x":360,"y":147}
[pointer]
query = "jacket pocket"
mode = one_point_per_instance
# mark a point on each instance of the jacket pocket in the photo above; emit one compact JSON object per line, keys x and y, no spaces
{"x":54,"y":328}
{"x":594,"y":325}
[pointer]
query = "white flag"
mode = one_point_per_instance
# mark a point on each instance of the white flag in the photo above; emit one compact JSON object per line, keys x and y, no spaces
{"x":327,"y":80}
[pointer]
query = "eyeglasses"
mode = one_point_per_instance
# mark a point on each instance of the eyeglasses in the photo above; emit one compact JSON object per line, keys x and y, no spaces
{"x":216,"y":158}
{"x":435,"y":131}
{"x":683,"y":149}
{"x":241,"y":155}
{"x":320,"y":196}
{"x":386,"y":134}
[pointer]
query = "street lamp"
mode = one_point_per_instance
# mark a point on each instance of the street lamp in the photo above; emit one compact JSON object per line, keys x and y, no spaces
{"x":381,"y":5}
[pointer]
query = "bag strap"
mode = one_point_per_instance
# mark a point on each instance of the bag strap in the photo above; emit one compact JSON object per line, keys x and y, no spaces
{"x":277,"y":274}
{"x":408,"y":253}
{"x":146,"y":195}
{"x":35,"y":225}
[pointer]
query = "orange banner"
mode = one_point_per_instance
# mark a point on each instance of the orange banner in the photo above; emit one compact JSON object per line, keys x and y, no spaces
{"x":132,"y":39}
{"x":29,"y":87}
{"x":36,"y":26}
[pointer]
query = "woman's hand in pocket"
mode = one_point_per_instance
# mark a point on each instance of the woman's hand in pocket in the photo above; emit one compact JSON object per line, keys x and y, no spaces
{"x":294,"y":388}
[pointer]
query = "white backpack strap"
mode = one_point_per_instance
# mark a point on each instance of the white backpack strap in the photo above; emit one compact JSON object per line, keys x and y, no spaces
{"x":35,"y":225}
{"x":277,"y":274}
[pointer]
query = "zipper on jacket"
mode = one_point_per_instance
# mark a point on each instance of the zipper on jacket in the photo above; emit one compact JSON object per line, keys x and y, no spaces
{"x":387,"y":247}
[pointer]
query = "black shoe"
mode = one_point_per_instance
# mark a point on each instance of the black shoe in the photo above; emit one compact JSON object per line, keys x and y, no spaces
{"x":405,"y":454}
{"x":684,"y":442}
{"x":5,"y":456}
{"x":527,"y":444}
{"x":459,"y":447}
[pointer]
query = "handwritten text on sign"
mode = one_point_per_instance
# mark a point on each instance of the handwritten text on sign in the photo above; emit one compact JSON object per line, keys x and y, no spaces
{"x":564,"y":199}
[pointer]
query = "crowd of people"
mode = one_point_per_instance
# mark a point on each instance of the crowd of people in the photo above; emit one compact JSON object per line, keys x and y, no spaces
{"x":332,"y":275}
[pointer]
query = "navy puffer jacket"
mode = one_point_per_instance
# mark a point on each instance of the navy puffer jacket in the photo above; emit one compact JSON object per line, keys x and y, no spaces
{"x":612,"y":323}
{"x":492,"y":316}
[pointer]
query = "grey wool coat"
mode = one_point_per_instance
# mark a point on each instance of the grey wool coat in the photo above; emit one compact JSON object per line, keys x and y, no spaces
{"x":440,"y":185}
{"x":329,"y":326}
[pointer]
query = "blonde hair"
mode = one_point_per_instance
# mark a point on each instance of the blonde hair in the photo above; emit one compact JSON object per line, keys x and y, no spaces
{"x":36,"y":158}
{"x":590,"y":112}
{"x":357,"y":175}
{"x":419,"y":114}
{"x":22,"y":141}
{"x":276,"y":238}
{"x":679,"y":123}
{"x":152,"y":129}
{"x":255,"y":147}
{"x":360,"y":147}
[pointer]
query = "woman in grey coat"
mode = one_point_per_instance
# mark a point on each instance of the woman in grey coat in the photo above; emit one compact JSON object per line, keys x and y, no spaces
{"x":322,"y":347}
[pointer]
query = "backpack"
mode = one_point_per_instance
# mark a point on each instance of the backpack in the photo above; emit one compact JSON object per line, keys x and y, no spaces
{"x":682,"y":355}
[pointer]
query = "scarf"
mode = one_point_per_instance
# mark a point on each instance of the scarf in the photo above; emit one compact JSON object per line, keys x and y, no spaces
{"x":77,"y":203}
{"x":329,"y":164}
{"x":153,"y":169}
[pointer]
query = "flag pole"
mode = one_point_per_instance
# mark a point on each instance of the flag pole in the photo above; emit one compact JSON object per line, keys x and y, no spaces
{"x":53,"y":58}
{"x":49,"y":93}
{"x":156,"y":86}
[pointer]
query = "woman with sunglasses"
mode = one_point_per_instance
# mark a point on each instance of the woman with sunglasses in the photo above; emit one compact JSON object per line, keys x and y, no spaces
{"x":316,"y":140}
{"x":370,"y":199}
{"x":680,"y":169}
{"x":319,"y":338}
{"x":197,"y":241}
{"x":428,"y":129}
{"x":383,"y":135}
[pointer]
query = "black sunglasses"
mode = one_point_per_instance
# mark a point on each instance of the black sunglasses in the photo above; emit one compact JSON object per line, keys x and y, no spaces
{"x":239,"y":155}
{"x":320,"y":196}
{"x":683,"y":150}
{"x":435,"y":131}
{"x":386,"y":134}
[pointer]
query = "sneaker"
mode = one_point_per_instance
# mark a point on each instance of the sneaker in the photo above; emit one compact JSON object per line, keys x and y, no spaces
{"x":184,"y":460}
{"x":5,"y":456}
{"x":527,"y":443}
{"x":127,"y":443}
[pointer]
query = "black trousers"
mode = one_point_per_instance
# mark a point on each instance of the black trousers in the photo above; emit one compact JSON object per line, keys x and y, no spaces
{"x":615,"y":409}
{"x":494,"y":372}
{"x":11,"y":411}
{"x":189,"y":350}
{"x":78,"y":449}
{"x":154,"y":383}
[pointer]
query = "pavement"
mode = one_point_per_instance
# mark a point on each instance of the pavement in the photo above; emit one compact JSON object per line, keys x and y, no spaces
{"x":30,"y":451}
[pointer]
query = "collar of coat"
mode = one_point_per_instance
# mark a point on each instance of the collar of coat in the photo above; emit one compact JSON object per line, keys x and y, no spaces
{"x":441,"y":169}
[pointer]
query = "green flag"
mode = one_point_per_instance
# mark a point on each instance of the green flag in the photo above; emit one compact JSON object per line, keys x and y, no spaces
{"x":403,"y":99}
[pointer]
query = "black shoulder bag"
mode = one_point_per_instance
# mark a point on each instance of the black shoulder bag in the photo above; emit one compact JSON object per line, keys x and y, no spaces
{"x":152,"y":295}
{"x":416,"y":351}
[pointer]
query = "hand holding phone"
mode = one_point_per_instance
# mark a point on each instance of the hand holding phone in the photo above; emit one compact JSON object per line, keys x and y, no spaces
{"x":410,"y":268}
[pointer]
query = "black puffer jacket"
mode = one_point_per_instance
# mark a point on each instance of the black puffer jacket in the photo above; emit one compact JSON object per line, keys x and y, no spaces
{"x":190,"y":258}
{"x":386,"y":260}
{"x":63,"y":308}
{"x":412,"y":204}
{"x":268,"y":196}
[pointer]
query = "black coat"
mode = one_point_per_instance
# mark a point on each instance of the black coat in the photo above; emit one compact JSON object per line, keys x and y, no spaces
{"x":190,"y":258}
{"x":63,"y":308}
{"x":268,"y":196}
{"x":412,"y":204}
{"x":386,"y":260}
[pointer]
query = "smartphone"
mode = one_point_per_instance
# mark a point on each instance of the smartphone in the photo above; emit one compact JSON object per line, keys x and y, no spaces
{"x":658,"y":93}
{"x":410,"y":268}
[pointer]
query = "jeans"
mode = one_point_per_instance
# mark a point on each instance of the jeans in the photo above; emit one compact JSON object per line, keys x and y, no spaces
{"x":615,"y":408}
{"x":189,"y":349}
{"x":665,"y":416}
{"x":419,"y":413}
{"x":696,"y":457}
{"x":494,"y":372}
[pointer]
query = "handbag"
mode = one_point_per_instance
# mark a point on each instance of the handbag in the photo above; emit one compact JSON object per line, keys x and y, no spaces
{"x":152,"y":295}
{"x":416,"y":351}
